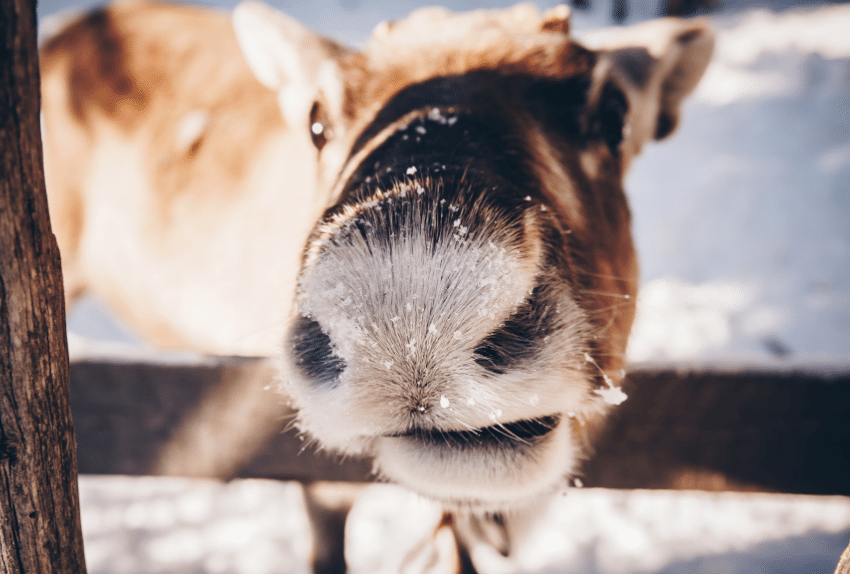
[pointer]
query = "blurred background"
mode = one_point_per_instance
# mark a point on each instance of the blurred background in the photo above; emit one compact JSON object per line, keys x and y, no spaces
{"x":742,"y":223}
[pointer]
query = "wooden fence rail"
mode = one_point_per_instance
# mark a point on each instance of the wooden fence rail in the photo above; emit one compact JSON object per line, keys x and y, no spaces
{"x":779,"y":431}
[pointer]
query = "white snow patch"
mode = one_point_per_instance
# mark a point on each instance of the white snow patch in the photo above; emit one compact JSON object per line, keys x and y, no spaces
{"x":612,"y":395}
{"x":677,"y":320}
{"x":741,"y":217}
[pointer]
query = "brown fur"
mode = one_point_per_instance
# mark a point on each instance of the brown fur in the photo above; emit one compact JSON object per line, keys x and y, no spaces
{"x":422,"y":46}
{"x":137,"y":62}
{"x":127,"y":75}
{"x":124,"y":76}
{"x":512,"y":41}
{"x":132,"y":71}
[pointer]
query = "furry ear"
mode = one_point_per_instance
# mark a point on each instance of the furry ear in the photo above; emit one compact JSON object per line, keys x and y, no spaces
{"x":288,"y":58}
{"x":654,"y":65}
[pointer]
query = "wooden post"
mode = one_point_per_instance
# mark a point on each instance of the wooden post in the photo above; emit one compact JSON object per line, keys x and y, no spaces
{"x":39,"y":501}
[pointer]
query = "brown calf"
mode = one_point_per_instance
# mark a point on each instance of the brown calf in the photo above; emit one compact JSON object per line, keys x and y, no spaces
{"x":431,"y":231}
{"x":464,"y":302}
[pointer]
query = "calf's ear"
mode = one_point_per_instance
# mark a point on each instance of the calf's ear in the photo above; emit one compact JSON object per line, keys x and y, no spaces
{"x":655,"y":65}
{"x":288,"y":58}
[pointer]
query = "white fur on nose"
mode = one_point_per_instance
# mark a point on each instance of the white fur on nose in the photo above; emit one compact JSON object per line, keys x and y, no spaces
{"x":407,"y":286}
{"x":500,"y":478}
{"x":402,"y":299}
{"x":405,"y":305}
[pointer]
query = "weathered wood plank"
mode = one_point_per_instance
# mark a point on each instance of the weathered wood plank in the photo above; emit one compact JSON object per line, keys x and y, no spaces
{"x":735,"y":430}
{"x":39,"y":502}
{"x":747,"y":430}
{"x":219,"y":418}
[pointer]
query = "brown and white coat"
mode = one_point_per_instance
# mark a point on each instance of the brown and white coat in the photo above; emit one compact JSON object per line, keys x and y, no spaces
{"x":431,"y":232}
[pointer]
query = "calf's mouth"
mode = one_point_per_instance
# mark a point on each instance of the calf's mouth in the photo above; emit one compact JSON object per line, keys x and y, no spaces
{"x":518,"y":434}
{"x":491,"y":468}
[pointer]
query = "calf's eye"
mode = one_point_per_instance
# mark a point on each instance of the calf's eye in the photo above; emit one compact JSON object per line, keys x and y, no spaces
{"x":319,"y":126}
{"x":518,"y":339}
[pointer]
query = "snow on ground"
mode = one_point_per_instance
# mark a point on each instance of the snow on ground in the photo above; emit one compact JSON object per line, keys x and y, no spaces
{"x":595,"y":531}
{"x":170,"y":525}
{"x":742,"y":222}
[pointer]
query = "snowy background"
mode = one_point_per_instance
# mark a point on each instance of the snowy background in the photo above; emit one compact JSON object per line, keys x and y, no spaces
{"x":742,"y":221}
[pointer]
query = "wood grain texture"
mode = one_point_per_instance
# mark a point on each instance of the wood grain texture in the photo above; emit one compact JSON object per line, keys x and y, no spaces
{"x":774,"y":431}
{"x":220,"y":418}
{"x":39,"y":503}
{"x":784,"y":431}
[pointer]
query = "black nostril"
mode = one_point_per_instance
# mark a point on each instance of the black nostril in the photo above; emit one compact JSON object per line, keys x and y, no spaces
{"x":313,"y":353}
{"x":519,"y":338}
{"x":507,"y":347}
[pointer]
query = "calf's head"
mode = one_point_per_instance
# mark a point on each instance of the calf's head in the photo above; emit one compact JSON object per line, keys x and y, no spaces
{"x":464,"y":302}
